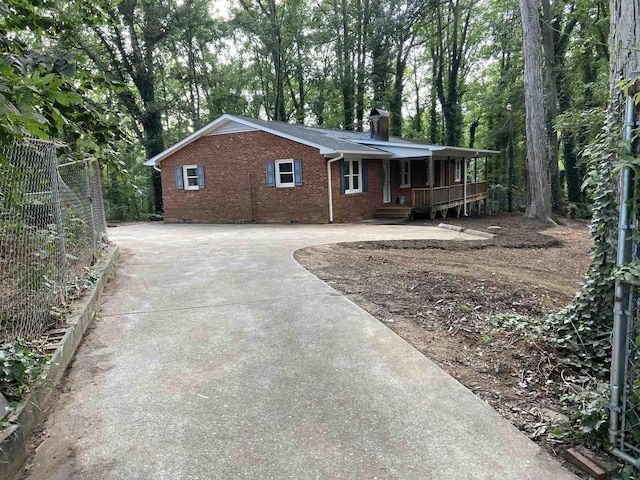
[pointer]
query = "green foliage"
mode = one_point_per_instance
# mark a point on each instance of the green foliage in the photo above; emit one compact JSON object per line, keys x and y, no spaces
{"x":581,"y":331}
{"x":43,"y":94}
{"x":21,"y":367}
{"x":628,"y":472}
{"x":589,"y":418}
{"x":516,"y":323}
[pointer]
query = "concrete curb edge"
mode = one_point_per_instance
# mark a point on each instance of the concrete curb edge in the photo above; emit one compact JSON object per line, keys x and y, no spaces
{"x":455,"y":228}
{"x":13,"y":439}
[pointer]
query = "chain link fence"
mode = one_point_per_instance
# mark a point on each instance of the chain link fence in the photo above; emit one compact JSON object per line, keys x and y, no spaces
{"x":624,"y":404}
{"x":52,"y":230}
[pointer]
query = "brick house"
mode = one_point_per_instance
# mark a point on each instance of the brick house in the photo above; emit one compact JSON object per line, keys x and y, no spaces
{"x":245,"y":169}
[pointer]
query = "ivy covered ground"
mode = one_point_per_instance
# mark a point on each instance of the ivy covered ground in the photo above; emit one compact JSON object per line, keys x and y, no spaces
{"x":475,"y":308}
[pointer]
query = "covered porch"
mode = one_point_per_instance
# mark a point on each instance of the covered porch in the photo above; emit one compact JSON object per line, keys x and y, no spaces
{"x":442,"y":199}
{"x":448,"y":185}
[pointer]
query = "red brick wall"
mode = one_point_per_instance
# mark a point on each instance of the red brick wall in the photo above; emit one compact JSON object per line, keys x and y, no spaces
{"x":357,"y":206}
{"x":229,"y":159}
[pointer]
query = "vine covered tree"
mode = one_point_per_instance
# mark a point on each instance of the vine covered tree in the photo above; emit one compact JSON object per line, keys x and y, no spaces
{"x":583,"y":329}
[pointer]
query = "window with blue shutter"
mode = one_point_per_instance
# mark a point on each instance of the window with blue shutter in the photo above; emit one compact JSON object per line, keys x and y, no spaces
{"x":191,"y":177}
{"x":365,"y":175}
{"x":179,"y":180}
{"x":284,"y":173}
{"x":297,"y":171}
{"x":271,"y":174}
{"x":200,"y":177}
{"x":351,"y":176}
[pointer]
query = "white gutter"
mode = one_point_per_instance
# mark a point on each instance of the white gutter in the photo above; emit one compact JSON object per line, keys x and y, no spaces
{"x":156,"y":168}
{"x":331,"y":160}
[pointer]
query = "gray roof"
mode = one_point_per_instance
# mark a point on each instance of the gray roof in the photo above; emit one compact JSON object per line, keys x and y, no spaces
{"x":331,"y":139}
{"x":330,"y":143}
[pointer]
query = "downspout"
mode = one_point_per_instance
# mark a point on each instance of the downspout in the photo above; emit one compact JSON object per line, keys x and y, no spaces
{"x":331,"y":160}
{"x":623,"y":302}
{"x":156,"y":168}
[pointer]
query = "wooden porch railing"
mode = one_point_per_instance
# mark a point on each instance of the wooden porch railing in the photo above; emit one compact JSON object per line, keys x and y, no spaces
{"x":429,"y":197}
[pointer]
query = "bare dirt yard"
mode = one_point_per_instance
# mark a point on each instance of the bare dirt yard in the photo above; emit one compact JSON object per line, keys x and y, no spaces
{"x":470,"y":305}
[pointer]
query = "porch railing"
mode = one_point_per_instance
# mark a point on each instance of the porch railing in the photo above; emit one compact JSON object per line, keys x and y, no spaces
{"x":429,"y":197}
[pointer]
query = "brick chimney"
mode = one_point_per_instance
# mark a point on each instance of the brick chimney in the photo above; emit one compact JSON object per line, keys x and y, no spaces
{"x":379,"y":124}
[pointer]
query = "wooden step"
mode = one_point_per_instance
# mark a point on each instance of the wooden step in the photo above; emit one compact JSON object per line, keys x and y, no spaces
{"x":393,"y":211}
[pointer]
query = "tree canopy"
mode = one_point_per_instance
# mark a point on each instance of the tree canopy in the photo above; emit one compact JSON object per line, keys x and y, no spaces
{"x":445,"y":70}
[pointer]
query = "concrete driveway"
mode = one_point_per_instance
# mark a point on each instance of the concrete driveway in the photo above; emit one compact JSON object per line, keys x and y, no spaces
{"x":217,"y":356}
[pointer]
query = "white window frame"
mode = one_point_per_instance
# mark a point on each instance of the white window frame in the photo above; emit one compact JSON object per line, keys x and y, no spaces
{"x":279,"y":182}
{"x":185,"y":177}
{"x":348,"y":178}
{"x":405,"y":173}
{"x":457,"y":173}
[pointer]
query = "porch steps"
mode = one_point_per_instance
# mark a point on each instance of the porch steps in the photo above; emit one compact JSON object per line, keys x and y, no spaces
{"x":393,"y":211}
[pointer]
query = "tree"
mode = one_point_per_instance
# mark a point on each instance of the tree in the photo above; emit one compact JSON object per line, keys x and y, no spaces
{"x":538,"y":201}
{"x":122,"y":42}
{"x":449,"y":56}
{"x":265,"y":23}
{"x":551,"y":105}
{"x":582,"y":330}
{"x":44,"y":93}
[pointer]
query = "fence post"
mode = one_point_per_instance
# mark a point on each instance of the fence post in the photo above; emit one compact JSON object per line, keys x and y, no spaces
{"x":624,"y":301}
{"x":92,"y":222}
{"x":99,"y":220}
{"x":57,"y":210}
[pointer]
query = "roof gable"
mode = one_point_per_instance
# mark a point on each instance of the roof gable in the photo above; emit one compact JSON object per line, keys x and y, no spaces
{"x":227,"y":124}
{"x":328,"y":142}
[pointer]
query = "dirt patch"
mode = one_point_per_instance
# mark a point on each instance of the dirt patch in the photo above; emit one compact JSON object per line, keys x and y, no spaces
{"x":471,"y":306}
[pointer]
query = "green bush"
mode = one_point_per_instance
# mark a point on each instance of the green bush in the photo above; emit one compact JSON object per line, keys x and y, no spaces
{"x":21,"y":367}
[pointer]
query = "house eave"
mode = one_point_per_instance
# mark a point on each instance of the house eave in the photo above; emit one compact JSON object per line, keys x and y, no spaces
{"x":211,"y":127}
{"x":357,"y":153}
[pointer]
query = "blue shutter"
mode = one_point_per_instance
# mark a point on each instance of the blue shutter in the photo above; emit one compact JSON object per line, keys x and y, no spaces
{"x":342,"y":185}
{"x":179,"y":181}
{"x":271,"y":174}
{"x":365,"y":175}
{"x":297,"y":172}
{"x":201,"y":176}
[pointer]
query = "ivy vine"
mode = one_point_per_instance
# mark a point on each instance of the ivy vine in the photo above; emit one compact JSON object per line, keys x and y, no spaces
{"x":581,"y":331}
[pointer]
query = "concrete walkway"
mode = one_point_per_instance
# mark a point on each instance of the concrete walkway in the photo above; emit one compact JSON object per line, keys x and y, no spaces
{"x":217,"y":356}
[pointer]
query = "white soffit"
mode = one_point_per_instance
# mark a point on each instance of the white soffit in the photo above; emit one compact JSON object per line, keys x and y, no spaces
{"x":405,"y":151}
{"x":232,"y":127}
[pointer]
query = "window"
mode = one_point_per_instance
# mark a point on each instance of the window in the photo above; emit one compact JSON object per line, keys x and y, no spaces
{"x":284,"y":173}
{"x":457,"y":174}
{"x":190,"y":177}
{"x":352,"y":176}
{"x":405,"y":173}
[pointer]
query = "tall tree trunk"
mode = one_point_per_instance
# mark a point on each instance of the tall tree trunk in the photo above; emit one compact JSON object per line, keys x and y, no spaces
{"x":538,"y":198}
{"x":348,"y":91}
{"x":472,"y":132}
{"x":417,"y":121}
{"x":624,"y":53}
{"x":557,"y":195}
{"x":362,"y":33}
{"x":433,"y":100}
{"x":395,"y":105}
